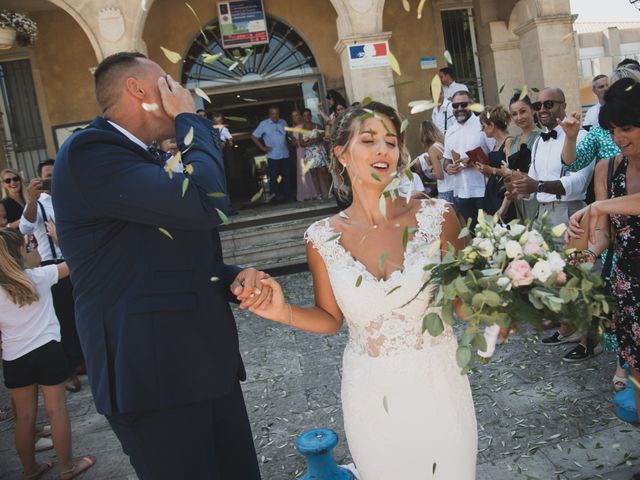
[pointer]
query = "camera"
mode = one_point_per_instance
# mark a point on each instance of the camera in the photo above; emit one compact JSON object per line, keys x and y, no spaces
{"x":46,"y":184}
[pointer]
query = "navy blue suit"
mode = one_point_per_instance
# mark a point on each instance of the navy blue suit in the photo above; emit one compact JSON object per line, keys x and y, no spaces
{"x":157,"y":333}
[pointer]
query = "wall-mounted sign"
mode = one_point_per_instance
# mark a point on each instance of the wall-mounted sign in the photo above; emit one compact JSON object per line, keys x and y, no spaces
{"x":368,"y":55}
{"x":427,"y":63}
{"x":242,"y":23}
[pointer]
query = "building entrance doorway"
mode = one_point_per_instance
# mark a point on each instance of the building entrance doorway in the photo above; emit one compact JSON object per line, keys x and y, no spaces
{"x":243,"y":111}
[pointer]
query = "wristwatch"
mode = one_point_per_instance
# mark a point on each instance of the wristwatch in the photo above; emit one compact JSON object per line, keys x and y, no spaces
{"x":540,"y":186}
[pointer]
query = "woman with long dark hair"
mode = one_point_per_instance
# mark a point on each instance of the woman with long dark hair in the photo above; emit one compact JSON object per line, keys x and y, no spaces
{"x":12,"y":196}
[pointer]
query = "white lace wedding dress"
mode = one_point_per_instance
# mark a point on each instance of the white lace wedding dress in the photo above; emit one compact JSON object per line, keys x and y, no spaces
{"x":408,"y":412}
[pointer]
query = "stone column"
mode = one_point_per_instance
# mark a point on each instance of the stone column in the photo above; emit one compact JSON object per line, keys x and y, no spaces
{"x":360,"y":21}
{"x":547,"y":48}
{"x":110,"y":29}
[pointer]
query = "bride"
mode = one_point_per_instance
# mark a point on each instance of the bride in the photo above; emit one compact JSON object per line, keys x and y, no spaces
{"x":408,"y":412}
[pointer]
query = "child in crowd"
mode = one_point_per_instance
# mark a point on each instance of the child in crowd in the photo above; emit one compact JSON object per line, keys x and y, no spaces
{"x":32,"y":356}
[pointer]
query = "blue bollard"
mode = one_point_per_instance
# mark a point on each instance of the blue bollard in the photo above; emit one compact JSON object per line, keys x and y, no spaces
{"x":317,"y":446}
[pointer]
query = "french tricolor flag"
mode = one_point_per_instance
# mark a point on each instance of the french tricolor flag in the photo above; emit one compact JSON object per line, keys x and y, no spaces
{"x":368,"y":50}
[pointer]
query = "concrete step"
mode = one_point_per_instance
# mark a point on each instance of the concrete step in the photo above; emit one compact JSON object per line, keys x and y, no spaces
{"x":268,"y":253}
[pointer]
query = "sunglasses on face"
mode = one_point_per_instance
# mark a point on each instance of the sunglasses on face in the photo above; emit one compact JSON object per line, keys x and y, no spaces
{"x":12,"y":179}
{"x":548,"y":104}
{"x":460,"y":105}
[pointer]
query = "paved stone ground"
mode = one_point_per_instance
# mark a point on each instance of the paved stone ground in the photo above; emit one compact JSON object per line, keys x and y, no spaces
{"x":537,"y":417}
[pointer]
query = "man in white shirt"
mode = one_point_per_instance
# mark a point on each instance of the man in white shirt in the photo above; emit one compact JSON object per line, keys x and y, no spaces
{"x":442,"y":113}
{"x":599,"y":86}
{"x":464,"y":136}
{"x":449,"y":84}
{"x":37,"y":216}
{"x":559,"y":193}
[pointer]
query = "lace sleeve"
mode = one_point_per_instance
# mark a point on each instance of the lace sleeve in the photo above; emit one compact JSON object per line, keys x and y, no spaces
{"x":430,"y":219}
{"x":325,"y":240}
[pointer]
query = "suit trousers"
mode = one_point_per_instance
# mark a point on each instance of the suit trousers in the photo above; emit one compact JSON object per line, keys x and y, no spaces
{"x":209,"y":440}
{"x":63,"y":304}
{"x":280,"y":168}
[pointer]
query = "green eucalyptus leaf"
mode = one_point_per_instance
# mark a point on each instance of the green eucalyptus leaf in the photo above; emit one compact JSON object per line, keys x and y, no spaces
{"x":433,"y":324}
{"x":463,"y":356}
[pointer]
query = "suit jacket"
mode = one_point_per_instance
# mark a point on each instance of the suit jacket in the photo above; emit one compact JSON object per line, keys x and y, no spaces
{"x":154,"y":322}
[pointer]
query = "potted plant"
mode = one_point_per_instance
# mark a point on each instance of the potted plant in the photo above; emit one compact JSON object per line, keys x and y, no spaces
{"x":16,"y":27}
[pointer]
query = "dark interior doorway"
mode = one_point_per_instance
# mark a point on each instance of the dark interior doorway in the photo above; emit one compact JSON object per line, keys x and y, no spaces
{"x":244,"y":157}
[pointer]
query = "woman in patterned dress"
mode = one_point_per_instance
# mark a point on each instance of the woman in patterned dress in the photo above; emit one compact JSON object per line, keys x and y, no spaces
{"x":620,"y":115}
{"x":315,"y":155}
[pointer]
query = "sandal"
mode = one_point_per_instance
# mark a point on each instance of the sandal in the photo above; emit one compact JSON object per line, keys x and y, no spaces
{"x":43,"y":468}
{"x":619,"y":383}
{"x":80,"y":466}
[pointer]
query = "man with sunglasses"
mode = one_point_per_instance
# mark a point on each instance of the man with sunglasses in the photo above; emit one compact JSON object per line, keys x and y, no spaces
{"x":559,"y":193}
{"x":464,"y":136}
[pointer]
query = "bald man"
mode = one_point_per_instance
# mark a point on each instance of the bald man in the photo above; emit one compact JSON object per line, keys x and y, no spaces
{"x":152,"y":293}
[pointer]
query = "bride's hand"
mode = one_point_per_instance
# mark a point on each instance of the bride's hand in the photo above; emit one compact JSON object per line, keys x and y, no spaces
{"x":274,"y":307}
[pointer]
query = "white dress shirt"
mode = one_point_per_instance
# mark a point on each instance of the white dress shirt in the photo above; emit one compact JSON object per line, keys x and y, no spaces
{"x":38,"y":228}
{"x":442,"y":116}
{"x":464,"y":137}
{"x":591,"y":117}
{"x":546,"y":164}
{"x":128,"y":134}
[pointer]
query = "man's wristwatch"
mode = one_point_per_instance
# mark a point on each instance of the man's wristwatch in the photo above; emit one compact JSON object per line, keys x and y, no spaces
{"x":540,"y":186}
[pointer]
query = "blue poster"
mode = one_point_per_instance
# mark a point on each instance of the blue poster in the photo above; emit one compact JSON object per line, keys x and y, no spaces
{"x":242,"y":23}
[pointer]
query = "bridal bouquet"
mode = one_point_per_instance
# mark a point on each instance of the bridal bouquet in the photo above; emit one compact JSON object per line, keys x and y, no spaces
{"x":508,"y":275}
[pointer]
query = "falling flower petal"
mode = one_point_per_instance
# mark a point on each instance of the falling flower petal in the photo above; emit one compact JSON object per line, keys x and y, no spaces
{"x":233,"y":66}
{"x":501,"y":88}
{"x":214,"y":279}
{"x":333,"y":237}
{"x":279,"y":179}
{"x":382,"y":203}
{"x":223,"y":217}
{"x":420,"y":7}
{"x":343,"y":214}
{"x":476,"y":107}
{"x":188,"y":138}
{"x":404,"y":125}
{"x":188,"y":169}
{"x":358,"y":281}
{"x":257,"y":196}
{"x":297,"y":130}
{"x":150,"y":107}
{"x":436,"y":88}
{"x":211,"y":58}
{"x":173,"y":57}
{"x":421,"y":106}
{"x":216,"y":195}
{"x":366,"y":100}
{"x":523,"y":92}
{"x":185,"y":185}
{"x":249,"y":99}
{"x":202,"y":94}
{"x":236,"y":119}
{"x":199,"y":22}
{"x":383,"y":259}
{"x":385,"y":404}
{"x":400,"y":84}
{"x":164,"y":230}
{"x":393,"y":62}
{"x":405,"y":4}
{"x":447,"y":57}
{"x":375,"y":176}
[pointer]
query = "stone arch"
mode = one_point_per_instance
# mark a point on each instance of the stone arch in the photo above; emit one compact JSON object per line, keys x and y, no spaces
{"x":83,"y":24}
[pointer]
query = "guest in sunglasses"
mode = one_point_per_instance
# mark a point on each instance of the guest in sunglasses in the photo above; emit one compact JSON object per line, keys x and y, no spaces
{"x":13,"y":196}
{"x":559,"y":193}
{"x":463,"y":137}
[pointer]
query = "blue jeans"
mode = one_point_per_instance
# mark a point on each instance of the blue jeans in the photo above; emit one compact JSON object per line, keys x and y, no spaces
{"x":279,"y":167}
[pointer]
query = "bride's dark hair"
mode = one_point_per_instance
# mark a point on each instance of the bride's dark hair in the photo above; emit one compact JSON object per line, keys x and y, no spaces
{"x":345,"y":131}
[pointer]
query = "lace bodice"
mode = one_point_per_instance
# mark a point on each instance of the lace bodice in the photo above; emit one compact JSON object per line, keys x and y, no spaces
{"x":381,"y":315}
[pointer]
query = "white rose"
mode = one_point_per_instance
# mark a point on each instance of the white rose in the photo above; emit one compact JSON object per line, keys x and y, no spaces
{"x":534,"y":244}
{"x":486,"y":248}
{"x":517,"y":229}
{"x":513,"y":249}
{"x":556,"y":263}
{"x":476,"y":241}
{"x":500,"y":231}
{"x":541,"y":270}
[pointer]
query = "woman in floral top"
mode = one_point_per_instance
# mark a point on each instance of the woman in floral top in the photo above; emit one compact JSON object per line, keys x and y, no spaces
{"x":621,"y":116}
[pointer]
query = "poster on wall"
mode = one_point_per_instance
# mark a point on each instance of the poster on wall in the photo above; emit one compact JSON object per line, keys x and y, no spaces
{"x":368,"y":55}
{"x":242,"y":23}
{"x":62,"y":132}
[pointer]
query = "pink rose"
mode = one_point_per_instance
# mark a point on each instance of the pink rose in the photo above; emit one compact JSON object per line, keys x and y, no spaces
{"x":519,"y":272}
{"x":561,"y":279}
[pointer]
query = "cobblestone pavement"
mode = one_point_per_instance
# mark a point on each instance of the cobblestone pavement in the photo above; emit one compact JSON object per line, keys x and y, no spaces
{"x":537,"y":417}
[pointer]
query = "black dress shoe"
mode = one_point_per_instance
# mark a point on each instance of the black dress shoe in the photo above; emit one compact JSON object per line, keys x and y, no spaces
{"x":581,"y":352}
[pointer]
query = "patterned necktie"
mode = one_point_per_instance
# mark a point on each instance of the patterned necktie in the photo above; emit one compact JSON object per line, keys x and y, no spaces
{"x":158,"y":154}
